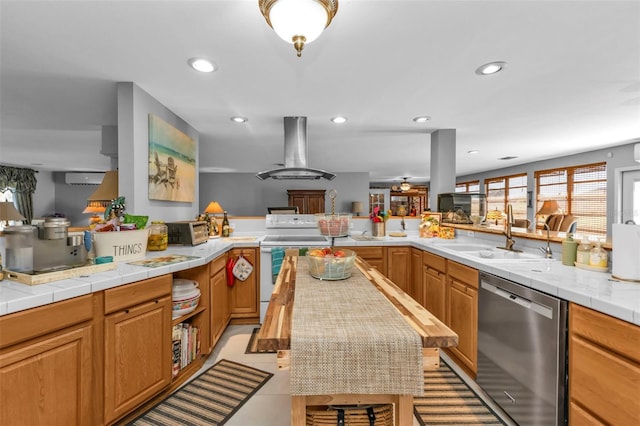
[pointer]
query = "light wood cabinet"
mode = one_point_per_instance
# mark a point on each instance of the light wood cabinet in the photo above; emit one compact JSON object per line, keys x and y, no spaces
{"x":462,"y":314}
{"x":604,"y":369}
{"x":308,"y":201}
{"x":137,"y":344}
{"x":399,"y":266}
{"x":219,"y":298}
{"x":416,"y":284}
{"x":373,"y":255}
{"x":435,"y":285}
{"x":243,"y":296}
{"x":46,"y":365}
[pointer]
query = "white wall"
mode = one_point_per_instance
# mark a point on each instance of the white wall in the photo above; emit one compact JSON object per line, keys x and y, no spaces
{"x":134,"y":107}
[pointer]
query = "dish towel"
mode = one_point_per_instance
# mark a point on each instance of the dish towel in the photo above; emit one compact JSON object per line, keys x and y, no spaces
{"x":277,"y":256}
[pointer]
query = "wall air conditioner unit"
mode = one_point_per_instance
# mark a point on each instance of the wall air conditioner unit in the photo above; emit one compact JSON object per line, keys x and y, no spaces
{"x":74,"y":178}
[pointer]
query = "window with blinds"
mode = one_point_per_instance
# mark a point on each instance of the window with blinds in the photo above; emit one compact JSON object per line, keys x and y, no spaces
{"x":504,"y":190}
{"x":580,"y":191}
{"x":471,"y":186}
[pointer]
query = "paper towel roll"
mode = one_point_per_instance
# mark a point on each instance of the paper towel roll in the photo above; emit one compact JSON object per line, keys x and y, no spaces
{"x":625,"y":260}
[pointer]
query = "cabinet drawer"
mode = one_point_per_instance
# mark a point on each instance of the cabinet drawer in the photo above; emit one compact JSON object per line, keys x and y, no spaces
{"x":369,"y":252}
{"x":135,"y":293}
{"x":614,"y":334}
{"x":434,"y":261}
{"x":43,"y":320}
{"x":604,"y":383}
{"x":217,"y":265}
{"x":463,"y":273}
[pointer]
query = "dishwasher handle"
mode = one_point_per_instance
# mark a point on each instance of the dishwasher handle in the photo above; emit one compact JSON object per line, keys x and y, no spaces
{"x":543,"y":310}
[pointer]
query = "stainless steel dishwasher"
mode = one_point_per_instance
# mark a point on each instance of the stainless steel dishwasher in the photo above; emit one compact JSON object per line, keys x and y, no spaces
{"x":522,"y":338}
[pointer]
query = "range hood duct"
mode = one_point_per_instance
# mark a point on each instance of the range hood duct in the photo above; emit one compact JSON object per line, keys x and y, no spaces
{"x":295,"y":155}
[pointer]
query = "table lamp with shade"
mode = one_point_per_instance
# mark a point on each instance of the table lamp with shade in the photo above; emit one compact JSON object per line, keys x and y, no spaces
{"x":357,"y":207}
{"x":548,"y":208}
{"x":8,"y":212}
{"x":214,"y":208}
{"x":95,"y":212}
{"x":494,"y":215}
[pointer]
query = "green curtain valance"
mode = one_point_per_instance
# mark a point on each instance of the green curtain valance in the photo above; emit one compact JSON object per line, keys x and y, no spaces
{"x":23,"y":180}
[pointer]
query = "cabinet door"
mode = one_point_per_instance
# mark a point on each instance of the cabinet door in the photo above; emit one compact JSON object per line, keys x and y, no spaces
{"x":462,"y":317}
{"x":137,"y":355}
{"x":48,"y":380}
{"x":315,"y":204}
{"x":219,"y":304}
{"x":435,"y":292}
{"x":416,"y":287}
{"x":299,"y":202}
{"x":399,"y":266}
{"x":244,"y":294}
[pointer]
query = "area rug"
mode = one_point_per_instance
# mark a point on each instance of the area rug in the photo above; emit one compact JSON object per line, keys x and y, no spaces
{"x":448,"y":400}
{"x":210,"y":399}
{"x":252,"y":346}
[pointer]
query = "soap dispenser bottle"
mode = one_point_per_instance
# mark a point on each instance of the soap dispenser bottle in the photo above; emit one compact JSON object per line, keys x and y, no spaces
{"x":598,"y":256}
{"x":583,"y":252}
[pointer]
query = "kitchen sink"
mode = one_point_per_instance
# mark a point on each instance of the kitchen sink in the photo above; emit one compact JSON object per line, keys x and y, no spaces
{"x":466,"y":247}
{"x":365,"y":238}
{"x":503,"y":255}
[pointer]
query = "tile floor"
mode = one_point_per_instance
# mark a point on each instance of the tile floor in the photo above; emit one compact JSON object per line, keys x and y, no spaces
{"x":271,"y":405}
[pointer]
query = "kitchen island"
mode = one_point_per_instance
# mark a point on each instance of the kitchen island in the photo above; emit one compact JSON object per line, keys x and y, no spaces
{"x":297,"y":331}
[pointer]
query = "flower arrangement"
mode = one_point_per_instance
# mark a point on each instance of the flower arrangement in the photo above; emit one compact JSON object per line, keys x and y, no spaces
{"x":378,"y":215}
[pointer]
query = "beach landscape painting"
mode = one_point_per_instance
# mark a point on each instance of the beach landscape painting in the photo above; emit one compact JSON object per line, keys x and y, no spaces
{"x":172,"y":162}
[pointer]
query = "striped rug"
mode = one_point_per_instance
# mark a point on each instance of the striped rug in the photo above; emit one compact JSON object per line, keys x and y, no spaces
{"x":448,"y":400}
{"x":210,"y":399}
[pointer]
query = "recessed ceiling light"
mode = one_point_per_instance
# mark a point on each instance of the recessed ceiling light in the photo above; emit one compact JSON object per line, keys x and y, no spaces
{"x":339,"y":119}
{"x":491,"y":68}
{"x":202,"y":65}
{"x":473,"y":151}
{"x":239,"y":119}
{"x":421,"y":119}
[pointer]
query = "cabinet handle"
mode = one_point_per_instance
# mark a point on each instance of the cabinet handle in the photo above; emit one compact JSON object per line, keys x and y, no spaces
{"x":157,"y":301}
{"x":126,"y":311}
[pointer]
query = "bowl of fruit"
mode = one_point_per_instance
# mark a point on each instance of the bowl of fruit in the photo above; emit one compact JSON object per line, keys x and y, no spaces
{"x":331,"y":263}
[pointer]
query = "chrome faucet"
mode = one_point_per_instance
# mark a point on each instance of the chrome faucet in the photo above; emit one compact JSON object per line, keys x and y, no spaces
{"x":507,"y":232}
{"x":402,"y":224}
{"x":546,"y":250}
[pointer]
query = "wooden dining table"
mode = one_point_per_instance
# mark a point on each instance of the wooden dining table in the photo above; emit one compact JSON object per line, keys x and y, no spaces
{"x":362,"y":310}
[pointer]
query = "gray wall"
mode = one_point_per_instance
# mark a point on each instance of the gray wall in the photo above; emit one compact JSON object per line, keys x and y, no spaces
{"x":615,"y":157}
{"x":134,"y":107}
{"x":242,"y":194}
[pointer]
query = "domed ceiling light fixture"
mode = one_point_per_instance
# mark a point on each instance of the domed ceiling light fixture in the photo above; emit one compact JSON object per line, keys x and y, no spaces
{"x":298,"y":21}
{"x":405,"y":186}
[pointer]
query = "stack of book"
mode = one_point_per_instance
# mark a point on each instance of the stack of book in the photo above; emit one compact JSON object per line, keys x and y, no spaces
{"x":186,"y":345}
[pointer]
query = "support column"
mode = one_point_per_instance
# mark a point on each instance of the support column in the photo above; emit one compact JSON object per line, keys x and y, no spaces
{"x":443,"y":165}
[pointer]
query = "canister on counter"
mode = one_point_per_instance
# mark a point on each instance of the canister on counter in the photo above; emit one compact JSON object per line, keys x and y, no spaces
{"x":158,"y":236}
{"x":569,"y":250}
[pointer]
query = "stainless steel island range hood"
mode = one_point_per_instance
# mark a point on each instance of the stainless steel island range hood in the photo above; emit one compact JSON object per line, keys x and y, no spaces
{"x":295,"y":154}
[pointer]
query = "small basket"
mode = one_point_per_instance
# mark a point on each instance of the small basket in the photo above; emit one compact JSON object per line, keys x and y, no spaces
{"x":334,"y":225}
{"x":358,"y":415}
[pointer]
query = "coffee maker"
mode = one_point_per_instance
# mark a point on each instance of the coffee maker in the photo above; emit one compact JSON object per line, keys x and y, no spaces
{"x":43,"y":248}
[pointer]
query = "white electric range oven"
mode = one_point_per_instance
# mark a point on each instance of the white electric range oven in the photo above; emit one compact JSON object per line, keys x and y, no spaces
{"x":284,"y":231}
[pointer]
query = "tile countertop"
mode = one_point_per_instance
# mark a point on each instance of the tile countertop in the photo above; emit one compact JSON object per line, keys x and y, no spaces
{"x":595,"y":290}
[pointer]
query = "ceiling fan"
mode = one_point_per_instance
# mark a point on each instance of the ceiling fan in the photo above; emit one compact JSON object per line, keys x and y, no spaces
{"x":405,"y":185}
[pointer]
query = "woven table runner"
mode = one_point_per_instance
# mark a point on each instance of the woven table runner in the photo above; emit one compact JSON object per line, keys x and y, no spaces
{"x":347,"y":338}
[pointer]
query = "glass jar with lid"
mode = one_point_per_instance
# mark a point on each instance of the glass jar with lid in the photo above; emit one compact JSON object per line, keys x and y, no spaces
{"x":158,"y":236}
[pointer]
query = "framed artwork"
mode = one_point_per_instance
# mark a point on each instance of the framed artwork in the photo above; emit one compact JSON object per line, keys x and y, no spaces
{"x":172,"y":162}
